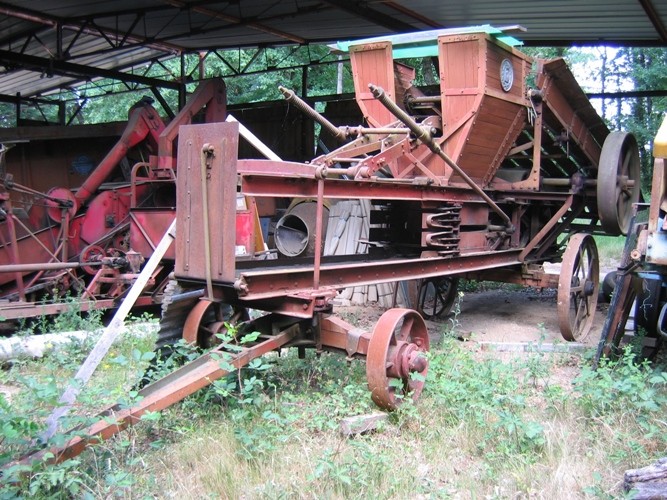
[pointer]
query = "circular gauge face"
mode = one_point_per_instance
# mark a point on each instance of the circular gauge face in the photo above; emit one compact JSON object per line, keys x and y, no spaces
{"x":506,"y":75}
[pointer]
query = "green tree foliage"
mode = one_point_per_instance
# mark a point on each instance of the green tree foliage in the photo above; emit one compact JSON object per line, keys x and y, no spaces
{"x":644,"y":69}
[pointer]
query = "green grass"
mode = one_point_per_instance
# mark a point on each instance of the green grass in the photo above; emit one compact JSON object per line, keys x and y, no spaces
{"x":610,"y":249}
{"x":536,"y":425}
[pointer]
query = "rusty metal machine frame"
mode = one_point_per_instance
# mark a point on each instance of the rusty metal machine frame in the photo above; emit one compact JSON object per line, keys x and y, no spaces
{"x":481,"y":177}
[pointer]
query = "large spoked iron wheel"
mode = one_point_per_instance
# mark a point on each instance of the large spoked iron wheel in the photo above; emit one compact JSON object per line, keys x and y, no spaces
{"x":396,"y":364}
{"x":578,"y":287}
{"x":618,"y":182}
{"x":437,"y":296}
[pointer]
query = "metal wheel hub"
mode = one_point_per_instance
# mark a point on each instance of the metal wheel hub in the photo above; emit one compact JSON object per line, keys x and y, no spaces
{"x":404,"y":359}
{"x":589,"y":288}
{"x":396,"y":364}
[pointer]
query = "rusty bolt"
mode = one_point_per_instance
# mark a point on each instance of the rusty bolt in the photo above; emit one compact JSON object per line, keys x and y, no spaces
{"x":418,"y":363}
{"x":321,"y":172}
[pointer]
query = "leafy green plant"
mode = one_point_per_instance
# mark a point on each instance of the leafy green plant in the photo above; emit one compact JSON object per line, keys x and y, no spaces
{"x":39,"y":385}
{"x":623,"y":387}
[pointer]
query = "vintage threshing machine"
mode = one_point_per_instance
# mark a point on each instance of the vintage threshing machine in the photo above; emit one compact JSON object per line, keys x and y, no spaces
{"x":484,"y":175}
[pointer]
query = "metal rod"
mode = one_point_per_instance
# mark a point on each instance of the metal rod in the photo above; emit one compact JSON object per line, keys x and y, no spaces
{"x":14,"y":252}
{"x":44,"y":266}
{"x":319,"y":214}
{"x":352,"y":131}
{"x":206,"y":151}
{"x":426,"y":99}
{"x":14,"y":186}
{"x":556,"y":182}
{"x":421,"y":134}
{"x":32,"y":235}
{"x":290,"y":96}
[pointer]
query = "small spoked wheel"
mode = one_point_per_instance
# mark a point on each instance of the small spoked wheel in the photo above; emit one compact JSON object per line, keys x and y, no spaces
{"x":208,"y":319}
{"x":578,"y":287}
{"x":618,"y":182}
{"x":437,"y":296}
{"x":397,"y":362}
{"x":91,"y":254}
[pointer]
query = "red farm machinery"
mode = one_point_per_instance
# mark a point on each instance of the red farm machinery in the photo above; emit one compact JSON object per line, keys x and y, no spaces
{"x":500,"y":168}
{"x":90,"y":242}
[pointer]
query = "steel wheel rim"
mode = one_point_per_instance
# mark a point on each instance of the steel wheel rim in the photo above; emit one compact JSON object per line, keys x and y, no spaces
{"x":619,"y":162}
{"x":436,"y":296}
{"x":578,"y":287}
{"x":397,"y":349}
{"x":207,"y":319}
{"x":91,"y":253}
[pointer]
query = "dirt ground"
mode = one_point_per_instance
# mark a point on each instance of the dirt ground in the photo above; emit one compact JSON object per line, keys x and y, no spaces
{"x":496,"y":315}
{"x":526,"y":315}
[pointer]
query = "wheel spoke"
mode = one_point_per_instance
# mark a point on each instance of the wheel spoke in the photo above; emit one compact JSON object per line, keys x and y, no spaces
{"x":405,"y":330}
{"x":581,"y":312}
{"x":625,"y":166}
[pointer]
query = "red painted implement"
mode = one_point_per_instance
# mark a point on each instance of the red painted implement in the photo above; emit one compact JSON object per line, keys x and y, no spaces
{"x":480,"y":176}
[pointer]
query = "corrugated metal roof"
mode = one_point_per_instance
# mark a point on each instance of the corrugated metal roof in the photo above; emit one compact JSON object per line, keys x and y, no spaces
{"x":120,"y":34}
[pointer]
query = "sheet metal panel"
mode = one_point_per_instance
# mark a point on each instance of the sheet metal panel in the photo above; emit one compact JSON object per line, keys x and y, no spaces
{"x":219,"y":196}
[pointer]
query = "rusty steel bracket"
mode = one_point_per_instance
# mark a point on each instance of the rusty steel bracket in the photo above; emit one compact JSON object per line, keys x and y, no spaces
{"x":338,"y":334}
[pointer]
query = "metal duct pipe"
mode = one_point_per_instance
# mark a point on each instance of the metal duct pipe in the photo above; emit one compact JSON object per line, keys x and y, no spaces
{"x":295,"y":231}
